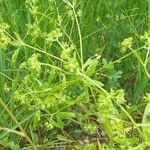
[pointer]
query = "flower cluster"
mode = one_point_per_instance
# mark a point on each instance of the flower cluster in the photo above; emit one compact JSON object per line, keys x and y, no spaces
{"x":126,"y":44}
{"x":49,"y":124}
{"x":33,"y":65}
{"x":33,"y":6}
{"x":3,"y":27}
{"x":146,"y":36}
{"x":34,"y":30}
{"x":67,"y":51}
{"x":71,"y":63}
{"x":90,"y":128}
{"x":4,"y":38}
{"x":54,"y":35}
{"x":118,"y":96}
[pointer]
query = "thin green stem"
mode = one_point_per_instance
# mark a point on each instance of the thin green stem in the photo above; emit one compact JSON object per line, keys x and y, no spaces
{"x":80,"y":37}
{"x":127,"y":55}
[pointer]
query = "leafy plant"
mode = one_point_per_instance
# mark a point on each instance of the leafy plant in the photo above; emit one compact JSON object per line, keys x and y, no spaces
{"x":73,"y":74}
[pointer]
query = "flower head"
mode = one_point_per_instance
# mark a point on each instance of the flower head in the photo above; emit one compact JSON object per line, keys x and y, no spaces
{"x":126,"y":44}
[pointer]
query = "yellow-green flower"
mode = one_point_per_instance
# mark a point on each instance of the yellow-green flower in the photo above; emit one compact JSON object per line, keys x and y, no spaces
{"x":126,"y":44}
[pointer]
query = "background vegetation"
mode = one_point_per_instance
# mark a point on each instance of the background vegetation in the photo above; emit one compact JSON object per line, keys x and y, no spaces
{"x":74,"y":74}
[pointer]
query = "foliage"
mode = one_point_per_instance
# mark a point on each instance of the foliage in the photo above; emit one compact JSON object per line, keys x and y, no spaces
{"x":74,"y":74}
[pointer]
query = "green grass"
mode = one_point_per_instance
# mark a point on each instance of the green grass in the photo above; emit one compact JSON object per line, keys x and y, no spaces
{"x":74,"y":74}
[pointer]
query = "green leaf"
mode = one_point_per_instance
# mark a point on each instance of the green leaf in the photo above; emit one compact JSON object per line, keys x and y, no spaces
{"x":91,"y":68}
{"x":63,"y":115}
{"x":15,"y":56}
{"x":91,"y":65}
{"x":7,"y":144}
{"x":146,"y":123}
{"x":33,"y":135}
{"x":62,"y":138}
{"x":80,"y":98}
{"x":91,"y":82}
{"x":18,"y":37}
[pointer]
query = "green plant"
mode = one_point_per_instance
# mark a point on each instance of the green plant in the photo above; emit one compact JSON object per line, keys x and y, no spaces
{"x":69,"y":79}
